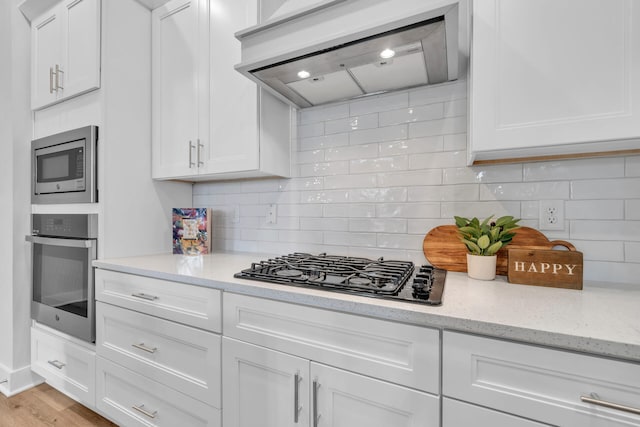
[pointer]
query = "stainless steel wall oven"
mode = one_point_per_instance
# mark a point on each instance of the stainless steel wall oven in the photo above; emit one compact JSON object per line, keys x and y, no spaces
{"x":63,"y":247}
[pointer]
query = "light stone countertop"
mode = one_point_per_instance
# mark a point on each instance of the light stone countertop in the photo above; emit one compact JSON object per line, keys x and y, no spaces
{"x":603,"y":318}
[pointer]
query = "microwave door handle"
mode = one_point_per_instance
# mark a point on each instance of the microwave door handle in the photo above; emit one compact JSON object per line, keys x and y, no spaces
{"x":70,"y":243}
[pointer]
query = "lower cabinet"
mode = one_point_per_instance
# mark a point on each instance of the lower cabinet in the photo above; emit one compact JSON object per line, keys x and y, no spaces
{"x":131,"y":399}
{"x":66,"y":363}
{"x":550,"y":386}
{"x":268,"y":388}
{"x":461,"y":414}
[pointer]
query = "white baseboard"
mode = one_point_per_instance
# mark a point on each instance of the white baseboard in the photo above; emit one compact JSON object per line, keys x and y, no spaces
{"x":16,"y":381}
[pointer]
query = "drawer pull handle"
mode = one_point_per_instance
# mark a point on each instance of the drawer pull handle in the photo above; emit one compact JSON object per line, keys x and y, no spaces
{"x":145,"y":296}
{"x":56,"y":364}
{"x":141,"y":346}
{"x":296,"y":398}
{"x":145,"y":412}
{"x":316,"y":415}
{"x":595,"y":399}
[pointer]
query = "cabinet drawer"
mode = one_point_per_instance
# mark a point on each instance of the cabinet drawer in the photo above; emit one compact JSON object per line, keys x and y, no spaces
{"x":539,"y":383}
{"x":192,"y":305}
{"x":398,"y":353}
{"x":131,"y":399}
{"x":458,"y":414}
{"x":184,"y":358}
{"x":66,"y":366}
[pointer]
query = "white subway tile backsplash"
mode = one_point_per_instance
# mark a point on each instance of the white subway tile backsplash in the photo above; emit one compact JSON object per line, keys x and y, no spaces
{"x":379,"y":103}
{"x":488,"y":174}
{"x":348,"y":124}
{"x":632,"y":209}
{"x":310,"y":130}
{"x":365,"y":151}
{"x":627,"y":188}
{"x":369,"y":136}
{"x":412,"y":146}
{"x":321,"y":114}
{"x":350,"y":239}
{"x":438,"y":93}
{"x":324,"y":168}
{"x":443,"y":193}
{"x":632,"y":166}
{"x":480,"y":210}
{"x":411,"y":178}
{"x":446,"y":159}
{"x":445,"y":126}
{"x":408,"y":210}
{"x":350,"y":181}
{"x":412,"y":114}
{"x":525,"y":191}
{"x":378,"y":195}
{"x":354,"y":210}
{"x":455,"y":142}
{"x":600,"y":250}
{"x":605,"y":230}
{"x":608,"y":167}
{"x":374,"y":175}
{"x":326,"y":141}
{"x":381,"y":164}
{"x":378,"y":225}
{"x":400,"y":241}
{"x":594,"y":209}
{"x":631,"y":252}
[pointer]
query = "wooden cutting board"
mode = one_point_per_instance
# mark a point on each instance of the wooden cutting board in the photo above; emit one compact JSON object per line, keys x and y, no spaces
{"x":443,"y":247}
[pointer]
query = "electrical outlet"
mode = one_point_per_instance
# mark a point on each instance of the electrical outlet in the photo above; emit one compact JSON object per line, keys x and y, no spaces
{"x":551,"y":214}
{"x":272,"y":214}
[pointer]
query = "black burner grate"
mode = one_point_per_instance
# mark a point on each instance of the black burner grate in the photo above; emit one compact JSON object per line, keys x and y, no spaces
{"x":376,"y":278}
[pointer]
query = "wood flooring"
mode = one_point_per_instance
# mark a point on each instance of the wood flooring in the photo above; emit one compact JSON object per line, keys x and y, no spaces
{"x":44,"y":406}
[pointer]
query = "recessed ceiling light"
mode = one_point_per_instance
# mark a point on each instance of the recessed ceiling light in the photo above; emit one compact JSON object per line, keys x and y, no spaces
{"x":304,"y":74}
{"x":387,"y":53}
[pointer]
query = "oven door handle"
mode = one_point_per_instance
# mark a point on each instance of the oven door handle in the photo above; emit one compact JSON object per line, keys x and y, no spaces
{"x":70,"y":243}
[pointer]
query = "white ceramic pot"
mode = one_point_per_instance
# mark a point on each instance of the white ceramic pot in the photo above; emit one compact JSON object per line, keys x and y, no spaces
{"x":481,"y":267}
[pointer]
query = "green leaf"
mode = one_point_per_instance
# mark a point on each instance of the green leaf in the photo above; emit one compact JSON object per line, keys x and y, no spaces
{"x":484,"y":242}
{"x":473,"y":248}
{"x":491,"y":250}
{"x":460,"y":221}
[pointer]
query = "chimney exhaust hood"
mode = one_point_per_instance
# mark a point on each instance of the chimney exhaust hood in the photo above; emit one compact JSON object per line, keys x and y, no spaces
{"x":330,"y":51}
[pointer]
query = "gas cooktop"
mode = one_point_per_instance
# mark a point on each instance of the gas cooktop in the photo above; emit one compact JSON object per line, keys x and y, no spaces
{"x":379,"y":278}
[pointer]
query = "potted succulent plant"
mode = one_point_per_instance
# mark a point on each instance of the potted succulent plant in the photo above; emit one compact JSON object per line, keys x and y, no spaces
{"x":483,"y":241}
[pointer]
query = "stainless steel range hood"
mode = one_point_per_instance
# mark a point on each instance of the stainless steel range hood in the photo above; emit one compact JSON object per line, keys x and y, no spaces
{"x":349,"y":49}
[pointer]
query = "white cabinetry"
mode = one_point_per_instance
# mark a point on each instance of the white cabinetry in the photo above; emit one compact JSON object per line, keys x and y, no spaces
{"x":210,"y":122}
{"x":66,"y":363}
{"x":65,"y":52}
{"x":537,"y":383}
{"x":550,"y":79}
{"x":286,"y":354}
{"x":150,"y":368}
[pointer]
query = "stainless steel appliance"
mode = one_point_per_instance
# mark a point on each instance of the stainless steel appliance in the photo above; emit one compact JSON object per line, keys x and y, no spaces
{"x":63,"y":167}
{"x":64,"y":246}
{"x":360,"y":276}
{"x":330,"y":51}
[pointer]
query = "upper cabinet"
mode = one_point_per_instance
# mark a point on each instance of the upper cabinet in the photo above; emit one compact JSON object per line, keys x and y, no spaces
{"x":210,"y":122}
{"x":554,"y":80}
{"x":65,"y":52}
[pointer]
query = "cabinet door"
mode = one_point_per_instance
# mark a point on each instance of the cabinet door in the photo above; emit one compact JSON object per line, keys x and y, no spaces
{"x":459,"y":414}
{"x":544,"y":82}
{"x":81,"y":48}
{"x":46,"y":53}
{"x":234,"y":140}
{"x":345,"y":399}
{"x":180,"y":88}
{"x":263,"y":387}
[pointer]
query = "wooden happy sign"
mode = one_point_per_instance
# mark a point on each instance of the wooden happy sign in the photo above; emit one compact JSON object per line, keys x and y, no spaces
{"x":552,"y":268}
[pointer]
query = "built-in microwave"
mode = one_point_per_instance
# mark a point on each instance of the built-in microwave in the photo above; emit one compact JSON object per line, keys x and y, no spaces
{"x":64,"y":167}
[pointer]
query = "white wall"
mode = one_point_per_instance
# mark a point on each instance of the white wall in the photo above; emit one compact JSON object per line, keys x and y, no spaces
{"x":373,"y":176}
{"x":15,"y":135}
